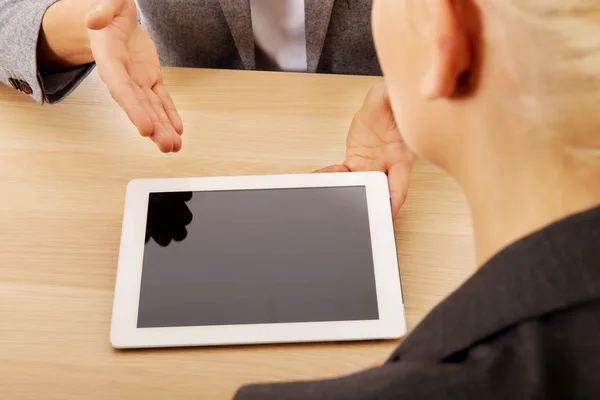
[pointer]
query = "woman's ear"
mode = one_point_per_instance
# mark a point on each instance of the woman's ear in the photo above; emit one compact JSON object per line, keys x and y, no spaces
{"x":453,"y":53}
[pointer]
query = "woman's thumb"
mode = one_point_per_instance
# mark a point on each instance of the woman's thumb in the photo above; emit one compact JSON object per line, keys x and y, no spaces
{"x":101,"y":13}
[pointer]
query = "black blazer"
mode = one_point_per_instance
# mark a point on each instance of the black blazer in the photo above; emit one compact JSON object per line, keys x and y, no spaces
{"x":524,"y":326}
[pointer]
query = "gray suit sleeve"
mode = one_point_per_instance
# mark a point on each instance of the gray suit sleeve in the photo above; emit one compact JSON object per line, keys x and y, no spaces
{"x":21,"y":21}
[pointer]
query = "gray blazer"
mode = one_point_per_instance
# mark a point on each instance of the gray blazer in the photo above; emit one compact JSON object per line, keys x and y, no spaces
{"x":194,"y":33}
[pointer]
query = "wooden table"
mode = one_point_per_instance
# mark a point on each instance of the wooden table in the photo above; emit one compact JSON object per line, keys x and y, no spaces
{"x":63,"y":172}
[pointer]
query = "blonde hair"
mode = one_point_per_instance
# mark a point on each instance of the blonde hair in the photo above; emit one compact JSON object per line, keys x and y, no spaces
{"x":563,"y":73}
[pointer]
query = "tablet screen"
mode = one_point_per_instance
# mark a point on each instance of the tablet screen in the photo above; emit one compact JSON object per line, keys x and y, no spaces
{"x":256,"y":257}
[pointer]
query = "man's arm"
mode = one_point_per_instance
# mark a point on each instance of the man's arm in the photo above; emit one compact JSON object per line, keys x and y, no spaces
{"x":63,"y":39}
{"x":53,"y":31}
{"x":46,"y":45}
{"x":48,"y":48}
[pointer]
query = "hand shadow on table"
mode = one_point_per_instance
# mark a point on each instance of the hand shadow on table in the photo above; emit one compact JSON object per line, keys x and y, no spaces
{"x":168,"y":216}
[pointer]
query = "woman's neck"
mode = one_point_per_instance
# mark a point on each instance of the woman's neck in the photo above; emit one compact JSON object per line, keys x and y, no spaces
{"x":514,"y":191}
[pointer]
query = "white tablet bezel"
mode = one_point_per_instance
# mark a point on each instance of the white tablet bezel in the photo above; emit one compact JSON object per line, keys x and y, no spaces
{"x":391,"y":324}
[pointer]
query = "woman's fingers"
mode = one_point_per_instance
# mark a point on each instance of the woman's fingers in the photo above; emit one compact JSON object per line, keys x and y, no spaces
{"x":332,"y":168}
{"x":399,"y":179}
{"x":359,"y":163}
{"x":164,"y":134}
{"x":169,"y":107}
{"x":102,"y":12}
{"x":398,"y":176}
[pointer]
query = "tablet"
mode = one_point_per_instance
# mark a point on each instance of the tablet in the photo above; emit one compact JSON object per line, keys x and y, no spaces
{"x":257,"y":259}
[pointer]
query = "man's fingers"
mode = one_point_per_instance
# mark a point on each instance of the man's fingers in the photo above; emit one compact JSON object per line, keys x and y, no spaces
{"x":144,"y":102}
{"x":123,"y":91}
{"x":332,"y":168}
{"x":102,"y":12}
{"x":143,"y":107}
{"x":164,"y":133}
{"x":399,"y":179}
{"x":159,"y":135}
{"x":126,"y":96}
{"x":169,"y":107}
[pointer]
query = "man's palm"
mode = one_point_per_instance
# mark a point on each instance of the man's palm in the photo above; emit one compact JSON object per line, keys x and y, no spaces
{"x":128,"y":63}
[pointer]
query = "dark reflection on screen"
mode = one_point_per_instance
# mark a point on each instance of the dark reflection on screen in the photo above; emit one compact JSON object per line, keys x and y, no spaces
{"x":168,"y":217}
{"x":257,"y":256}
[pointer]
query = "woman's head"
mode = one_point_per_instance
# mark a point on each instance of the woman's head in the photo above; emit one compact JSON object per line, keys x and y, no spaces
{"x":468,"y":78}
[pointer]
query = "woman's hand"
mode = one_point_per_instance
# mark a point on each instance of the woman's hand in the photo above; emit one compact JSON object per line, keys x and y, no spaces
{"x":374,"y":144}
{"x":128,"y":64}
